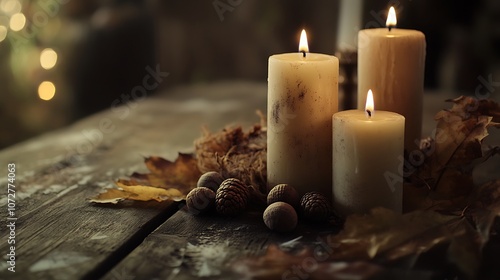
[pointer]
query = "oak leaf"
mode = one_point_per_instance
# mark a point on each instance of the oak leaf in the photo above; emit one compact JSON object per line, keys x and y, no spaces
{"x":166,"y":181}
{"x":445,"y":178}
{"x":387,"y":237}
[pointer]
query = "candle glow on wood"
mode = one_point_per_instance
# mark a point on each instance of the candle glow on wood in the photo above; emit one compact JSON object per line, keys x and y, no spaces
{"x":303,"y":45}
{"x":370,"y":105}
{"x":392,"y":21}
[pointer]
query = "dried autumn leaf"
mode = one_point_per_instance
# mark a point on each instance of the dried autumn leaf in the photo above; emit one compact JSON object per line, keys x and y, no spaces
{"x":369,"y":236}
{"x":445,"y":178}
{"x":138,"y":192}
{"x":181,"y":174}
{"x":166,"y":181}
{"x":386,"y":237}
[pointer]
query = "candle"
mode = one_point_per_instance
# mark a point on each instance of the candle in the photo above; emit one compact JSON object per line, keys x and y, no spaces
{"x":349,"y":24}
{"x":391,"y":61}
{"x":302,"y":96}
{"x":367,"y":148}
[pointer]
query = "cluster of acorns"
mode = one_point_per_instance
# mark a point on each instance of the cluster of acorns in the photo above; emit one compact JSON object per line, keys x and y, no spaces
{"x":231,"y":196}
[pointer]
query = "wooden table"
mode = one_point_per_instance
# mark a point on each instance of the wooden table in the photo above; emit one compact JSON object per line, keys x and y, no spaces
{"x":60,"y":235}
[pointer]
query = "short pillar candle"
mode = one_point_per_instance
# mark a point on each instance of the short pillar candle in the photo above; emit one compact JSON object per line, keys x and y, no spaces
{"x":367,"y":154}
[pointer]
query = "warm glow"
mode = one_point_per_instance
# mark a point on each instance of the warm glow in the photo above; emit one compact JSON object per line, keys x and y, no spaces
{"x":17,"y":21}
{"x":303,"y":46}
{"x":48,"y":58}
{"x":370,"y":105}
{"x":10,"y":6}
{"x":391,"y":18}
{"x":3,"y":32}
{"x":46,"y":90}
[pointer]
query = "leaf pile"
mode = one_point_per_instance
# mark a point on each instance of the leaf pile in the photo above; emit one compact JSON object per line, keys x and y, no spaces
{"x":166,"y":181}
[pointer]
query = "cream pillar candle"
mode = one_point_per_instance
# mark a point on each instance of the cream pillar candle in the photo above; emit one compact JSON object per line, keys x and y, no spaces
{"x":391,"y":62}
{"x":367,"y":149}
{"x":302,"y":96}
{"x":350,"y":18}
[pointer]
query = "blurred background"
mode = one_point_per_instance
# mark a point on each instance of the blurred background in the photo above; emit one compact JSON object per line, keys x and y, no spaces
{"x":61,"y":60}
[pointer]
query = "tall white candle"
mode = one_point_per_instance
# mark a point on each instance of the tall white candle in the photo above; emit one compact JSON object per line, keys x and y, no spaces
{"x":302,"y":96}
{"x":392,"y":62}
{"x":367,"y":148}
{"x":350,"y":12}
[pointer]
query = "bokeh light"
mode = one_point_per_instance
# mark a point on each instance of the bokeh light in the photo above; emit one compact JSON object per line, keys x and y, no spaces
{"x":46,"y":90}
{"x":10,"y":7}
{"x":17,"y":21}
{"x":48,"y":58}
{"x":3,"y":32}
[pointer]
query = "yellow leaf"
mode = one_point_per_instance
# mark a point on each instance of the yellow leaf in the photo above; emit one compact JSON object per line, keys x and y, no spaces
{"x":166,"y":181}
{"x":138,"y":192}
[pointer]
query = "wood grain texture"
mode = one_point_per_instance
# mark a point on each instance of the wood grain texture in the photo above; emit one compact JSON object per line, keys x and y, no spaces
{"x":60,"y":235}
{"x":189,"y":247}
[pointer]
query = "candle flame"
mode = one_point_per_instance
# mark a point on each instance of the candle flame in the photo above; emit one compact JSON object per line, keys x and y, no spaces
{"x":370,"y":105}
{"x":391,"y":18}
{"x":303,"y":46}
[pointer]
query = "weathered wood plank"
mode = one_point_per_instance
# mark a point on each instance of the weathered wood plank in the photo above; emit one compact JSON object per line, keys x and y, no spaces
{"x":188,"y":246}
{"x":59,"y":235}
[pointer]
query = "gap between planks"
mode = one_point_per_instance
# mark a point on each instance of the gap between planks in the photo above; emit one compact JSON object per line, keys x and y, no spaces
{"x":126,"y":248}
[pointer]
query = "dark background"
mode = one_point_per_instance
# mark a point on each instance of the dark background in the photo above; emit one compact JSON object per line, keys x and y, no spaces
{"x":104,"y":48}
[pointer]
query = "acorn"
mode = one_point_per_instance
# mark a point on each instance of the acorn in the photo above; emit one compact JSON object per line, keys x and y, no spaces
{"x":200,"y":200}
{"x":211,"y":180}
{"x":231,"y":198}
{"x":284,"y":193}
{"x":280,"y":216}
{"x":315,"y":207}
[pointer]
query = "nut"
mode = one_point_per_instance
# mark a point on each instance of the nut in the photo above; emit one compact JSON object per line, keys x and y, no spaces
{"x":285,"y":193}
{"x":211,"y":180}
{"x":280,"y":216}
{"x":200,"y":200}
{"x":231,"y":198}
{"x":315,"y":207}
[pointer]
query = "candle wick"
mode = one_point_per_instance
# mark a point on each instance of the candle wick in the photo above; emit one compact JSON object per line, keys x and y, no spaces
{"x":303,"y":53}
{"x":369,"y":113}
{"x":390,"y":28}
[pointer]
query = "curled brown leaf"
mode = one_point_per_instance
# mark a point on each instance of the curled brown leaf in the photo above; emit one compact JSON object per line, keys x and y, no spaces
{"x":445,"y":177}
